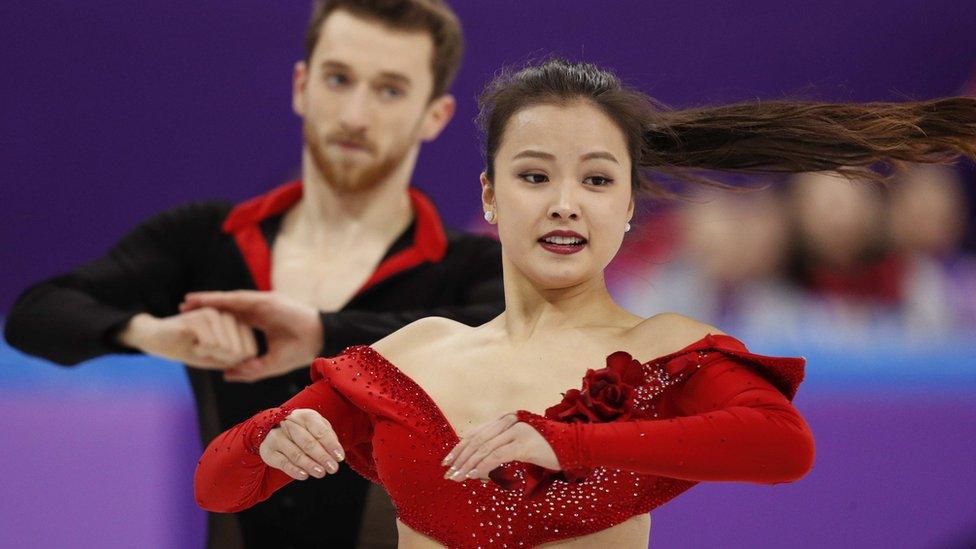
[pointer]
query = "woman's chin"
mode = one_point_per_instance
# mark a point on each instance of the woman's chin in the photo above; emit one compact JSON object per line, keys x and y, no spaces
{"x":560,"y":278}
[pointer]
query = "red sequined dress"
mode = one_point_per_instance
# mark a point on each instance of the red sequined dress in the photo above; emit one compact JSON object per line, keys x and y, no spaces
{"x":712,"y":411}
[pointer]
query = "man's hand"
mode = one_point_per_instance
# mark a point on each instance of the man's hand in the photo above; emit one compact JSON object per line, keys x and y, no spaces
{"x":203,"y":338}
{"x":292,"y":329}
{"x":303,"y":445}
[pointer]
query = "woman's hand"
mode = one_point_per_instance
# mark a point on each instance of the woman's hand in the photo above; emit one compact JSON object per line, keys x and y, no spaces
{"x":303,"y":444}
{"x":493,"y":443}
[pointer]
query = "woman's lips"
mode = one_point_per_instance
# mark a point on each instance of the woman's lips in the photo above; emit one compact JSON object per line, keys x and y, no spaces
{"x":562,"y":242}
{"x":562,"y":248}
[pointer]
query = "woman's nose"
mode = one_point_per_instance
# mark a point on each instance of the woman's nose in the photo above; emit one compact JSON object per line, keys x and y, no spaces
{"x":564,"y":207}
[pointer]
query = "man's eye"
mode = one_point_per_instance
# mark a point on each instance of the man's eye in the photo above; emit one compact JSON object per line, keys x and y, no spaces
{"x":598,"y":180}
{"x":390,"y":92}
{"x":336,"y":79}
{"x":533,"y":177}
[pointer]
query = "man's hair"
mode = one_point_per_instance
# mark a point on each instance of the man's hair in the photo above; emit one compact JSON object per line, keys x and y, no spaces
{"x":431,"y":16}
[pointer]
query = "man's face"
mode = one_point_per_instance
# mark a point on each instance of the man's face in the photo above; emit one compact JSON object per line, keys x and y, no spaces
{"x":365,"y":100}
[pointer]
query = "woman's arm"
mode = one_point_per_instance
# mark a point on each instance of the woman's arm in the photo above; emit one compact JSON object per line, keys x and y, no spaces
{"x":733,"y":426}
{"x":249,"y":462}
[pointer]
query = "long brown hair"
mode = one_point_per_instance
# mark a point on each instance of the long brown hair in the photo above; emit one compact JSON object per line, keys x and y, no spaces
{"x":854,"y":139}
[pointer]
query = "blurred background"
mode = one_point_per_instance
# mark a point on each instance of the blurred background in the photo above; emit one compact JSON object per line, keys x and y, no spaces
{"x":112,"y":111}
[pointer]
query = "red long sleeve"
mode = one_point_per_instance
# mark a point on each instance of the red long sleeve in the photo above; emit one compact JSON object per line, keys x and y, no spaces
{"x":231,"y":476}
{"x":731,"y":425}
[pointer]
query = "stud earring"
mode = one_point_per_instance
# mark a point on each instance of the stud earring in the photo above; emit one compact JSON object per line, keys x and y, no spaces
{"x":489,"y":216}
{"x":627,"y":228}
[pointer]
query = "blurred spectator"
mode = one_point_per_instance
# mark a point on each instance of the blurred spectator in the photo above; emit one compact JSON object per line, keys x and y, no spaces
{"x":841,"y":258}
{"x":725,"y":266}
{"x":928,"y":212}
{"x":927,"y":222}
{"x":883,"y":262}
{"x":820,"y":259}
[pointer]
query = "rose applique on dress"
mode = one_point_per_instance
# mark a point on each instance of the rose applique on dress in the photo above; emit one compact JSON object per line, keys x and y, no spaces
{"x":607,"y":395}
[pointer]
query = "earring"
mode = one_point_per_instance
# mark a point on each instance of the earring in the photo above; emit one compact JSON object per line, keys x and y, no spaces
{"x":489,"y":216}
{"x":627,"y":228}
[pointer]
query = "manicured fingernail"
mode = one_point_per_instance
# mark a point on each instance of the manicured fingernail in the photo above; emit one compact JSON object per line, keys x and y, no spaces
{"x":302,"y":474}
{"x":448,"y":458}
{"x":471,"y":474}
{"x":338,"y":454}
{"x":320,"y":471}
{"x":455,"y":475}
{"x":333,"y":466}
{"x":450,"y":473}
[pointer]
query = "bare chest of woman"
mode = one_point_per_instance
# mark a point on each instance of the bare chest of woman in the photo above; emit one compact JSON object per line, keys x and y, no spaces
{"x":473,"y":380}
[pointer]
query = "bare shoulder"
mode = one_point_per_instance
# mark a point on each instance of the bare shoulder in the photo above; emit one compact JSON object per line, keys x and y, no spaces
{"x":666,"y":333}
{"x":420,"y":335}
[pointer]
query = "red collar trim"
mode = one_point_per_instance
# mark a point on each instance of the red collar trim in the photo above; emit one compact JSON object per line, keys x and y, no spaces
{"x":259,"y":208}
{"x":429,"y":244}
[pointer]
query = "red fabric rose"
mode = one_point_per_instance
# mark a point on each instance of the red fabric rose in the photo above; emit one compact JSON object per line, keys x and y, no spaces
{"x":607,"y":395}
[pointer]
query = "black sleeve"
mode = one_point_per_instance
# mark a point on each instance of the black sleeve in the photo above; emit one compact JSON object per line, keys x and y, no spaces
{"x":75,"y":316}
{"x":483,"y":299}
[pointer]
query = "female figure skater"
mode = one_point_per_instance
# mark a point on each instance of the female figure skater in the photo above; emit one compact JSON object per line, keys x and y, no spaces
{"x":567,"y":148}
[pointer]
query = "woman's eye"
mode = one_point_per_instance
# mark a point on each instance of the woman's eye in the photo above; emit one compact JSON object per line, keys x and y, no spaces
{"x":598,"y":180}
{"x":534,"y":177}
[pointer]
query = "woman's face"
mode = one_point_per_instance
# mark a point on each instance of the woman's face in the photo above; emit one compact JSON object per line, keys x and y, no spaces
{"x":562,"y":192}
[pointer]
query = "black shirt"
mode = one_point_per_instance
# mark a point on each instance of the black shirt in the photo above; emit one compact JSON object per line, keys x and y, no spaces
{"x":428,"y":271}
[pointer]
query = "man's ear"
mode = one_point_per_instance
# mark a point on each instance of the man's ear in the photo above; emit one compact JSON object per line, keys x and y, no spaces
{"x":299,"y":79}
{"x":439,"y":113}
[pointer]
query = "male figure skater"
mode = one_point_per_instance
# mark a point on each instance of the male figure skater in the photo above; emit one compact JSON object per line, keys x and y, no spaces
{"x":351,"y":239}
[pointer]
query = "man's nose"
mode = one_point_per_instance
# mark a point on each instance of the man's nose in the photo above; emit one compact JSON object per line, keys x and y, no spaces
{"x":354,"y":115}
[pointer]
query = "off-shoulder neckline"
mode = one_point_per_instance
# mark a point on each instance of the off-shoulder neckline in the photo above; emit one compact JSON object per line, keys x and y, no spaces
{"x":424,"y":395}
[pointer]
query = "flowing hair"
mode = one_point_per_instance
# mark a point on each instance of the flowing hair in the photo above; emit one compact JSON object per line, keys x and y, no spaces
{"x":858,"y":140}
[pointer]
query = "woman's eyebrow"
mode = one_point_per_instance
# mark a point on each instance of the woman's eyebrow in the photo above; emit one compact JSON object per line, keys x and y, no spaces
{"x":600,"y":154}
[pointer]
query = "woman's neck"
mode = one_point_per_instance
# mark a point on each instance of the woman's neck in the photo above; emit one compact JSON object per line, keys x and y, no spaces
{"x":533,"y":312}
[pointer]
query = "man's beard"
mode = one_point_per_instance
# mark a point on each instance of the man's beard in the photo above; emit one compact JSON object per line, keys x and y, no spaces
{"x":358,"y":177}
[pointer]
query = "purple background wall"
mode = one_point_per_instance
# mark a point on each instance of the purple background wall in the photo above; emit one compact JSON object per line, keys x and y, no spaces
{"x":115,"y":110}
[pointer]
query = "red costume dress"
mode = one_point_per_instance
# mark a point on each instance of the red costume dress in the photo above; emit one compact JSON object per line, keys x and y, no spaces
{"x":712,"y":411}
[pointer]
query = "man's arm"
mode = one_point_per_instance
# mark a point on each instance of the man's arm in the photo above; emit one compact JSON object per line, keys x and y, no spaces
{"x":296,"y":333}
{"x":77,"y":316}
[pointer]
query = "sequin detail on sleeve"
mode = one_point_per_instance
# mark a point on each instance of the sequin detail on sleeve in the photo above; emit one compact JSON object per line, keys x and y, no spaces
{"x":262,"y":424}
